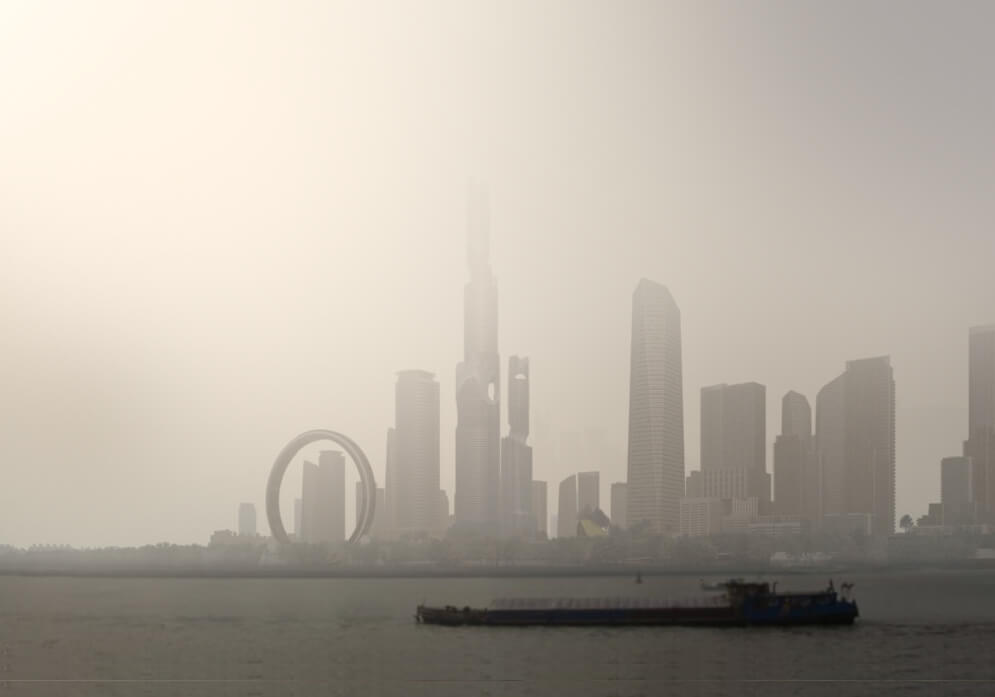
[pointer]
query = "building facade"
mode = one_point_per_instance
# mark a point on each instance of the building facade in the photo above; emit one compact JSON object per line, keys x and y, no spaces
{"x":655,"y":464}
{"x":855,"y":440}
{"x":247,"y":519}
{"x":539,"y":508}
{"x":734,"y":436}
{"x":620,"y":502}
{"x":566,"y":520}
{"x":796,"y":485}
{"x":323,"y":499}
{"x":588,"y":491}
{"x":415,"y":453}
{"x":701,"y":517}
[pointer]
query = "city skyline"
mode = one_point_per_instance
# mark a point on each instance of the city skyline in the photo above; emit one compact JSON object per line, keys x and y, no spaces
{"x":178,"y":307}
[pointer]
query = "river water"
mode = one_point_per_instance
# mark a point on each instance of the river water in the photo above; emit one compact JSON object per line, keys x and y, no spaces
{"x":922,"y":633}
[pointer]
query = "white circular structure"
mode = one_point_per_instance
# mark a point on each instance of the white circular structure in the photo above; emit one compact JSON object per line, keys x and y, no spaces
{"x":367,"y":504}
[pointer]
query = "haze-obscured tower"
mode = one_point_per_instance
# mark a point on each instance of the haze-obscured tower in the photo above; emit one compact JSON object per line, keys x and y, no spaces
{"x":516,"y":454}
{"x":656,"y":410}
{"x":588,"y":492}
{"x":323,"y":499}
{"x":870,"y":441}
{"x":980,"y":444}
{"x":539,"y":508}
{"x":830,"y":441}
{"x":478,"y":385}
{"x":734,"y":439}
{"x":247,"y":519}
{"x":795,"y":484}
{"x":566,"y":520}
{"x":855,"y":439}
{"x":415,"y":452}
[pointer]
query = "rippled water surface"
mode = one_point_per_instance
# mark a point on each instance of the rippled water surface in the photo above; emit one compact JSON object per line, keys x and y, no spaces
{"x":924,"y":633}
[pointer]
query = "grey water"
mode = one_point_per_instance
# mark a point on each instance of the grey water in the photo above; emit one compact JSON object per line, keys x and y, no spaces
{"x":921,"y":633}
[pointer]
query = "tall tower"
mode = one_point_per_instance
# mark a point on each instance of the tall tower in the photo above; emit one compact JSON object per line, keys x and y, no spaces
{"x":795,"y":486}
{"x":415,"y":452}
{"x":478,"y":385}
{"x":870,"y":441}
{"x":516,"y":454}
{"x":855,"y":439}
{"x":980,"y":444}
{"x":830,"y":443}
{"x":734,"y":439}
{"x":656,"y":410}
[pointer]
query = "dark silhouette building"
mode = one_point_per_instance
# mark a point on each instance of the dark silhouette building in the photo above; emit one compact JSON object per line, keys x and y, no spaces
{"x":656,"y":410}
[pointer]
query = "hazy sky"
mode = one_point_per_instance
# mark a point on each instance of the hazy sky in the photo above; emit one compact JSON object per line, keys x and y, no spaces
{"x":225,"y":223}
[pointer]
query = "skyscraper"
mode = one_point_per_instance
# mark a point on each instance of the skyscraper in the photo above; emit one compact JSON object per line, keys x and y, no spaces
{"x":588,"y":492}
{"x":415,"y":452}
{"x":323,"y":499}
{"x":478,"y":385}
{"x":566,"y":521}
{"x":870,"y":441}
{"x":392,"y":489}
{"x":855,"y":438}
{"x":734,"y":437}
{"x":830,"y":441}
{"x":620,"y":501}
{"x":516,"y":454}
{"x":796,"y":416}
{"x":539,"y":509}
{"x":247,"y":519}
{"x":955,"y":484}
{"x":795,"y":484}
{"x":980,"y":444}
{"x":656,"y":410}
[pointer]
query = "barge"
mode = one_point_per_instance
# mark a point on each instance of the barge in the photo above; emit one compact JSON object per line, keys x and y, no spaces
{"x":739,"y":603}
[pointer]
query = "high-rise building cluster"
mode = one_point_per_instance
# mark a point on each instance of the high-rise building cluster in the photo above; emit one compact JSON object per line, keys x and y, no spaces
{"x":834,"y":469}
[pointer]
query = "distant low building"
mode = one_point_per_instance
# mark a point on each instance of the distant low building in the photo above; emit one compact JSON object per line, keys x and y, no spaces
{"x":701,"y":517}
{"x":778,"y":526}
{"x":847,"y":523}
